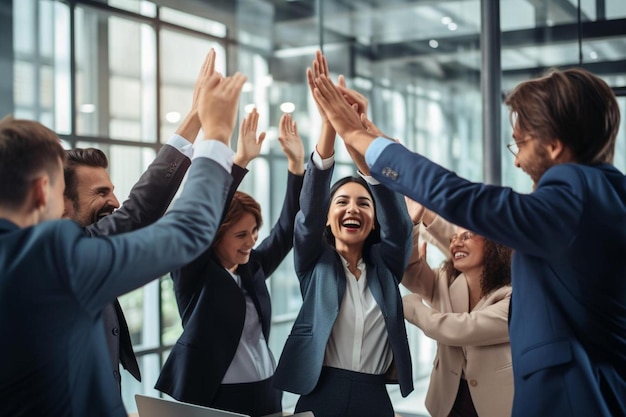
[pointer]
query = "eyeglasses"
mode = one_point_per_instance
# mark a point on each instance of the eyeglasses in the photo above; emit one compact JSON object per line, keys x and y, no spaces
{"x":514,"y":146}
{"x":462,"y":237}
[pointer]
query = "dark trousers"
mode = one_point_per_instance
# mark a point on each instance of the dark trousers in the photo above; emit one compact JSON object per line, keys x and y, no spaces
{"x":463,"y":404}
{"x":255,"y":399}
{"x":342,"y":393}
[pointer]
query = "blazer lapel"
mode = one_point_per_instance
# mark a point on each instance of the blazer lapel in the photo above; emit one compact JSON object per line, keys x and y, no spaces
{"x":248,"y":284}
{"x":127,"y":355}
{"x":459,"y":295}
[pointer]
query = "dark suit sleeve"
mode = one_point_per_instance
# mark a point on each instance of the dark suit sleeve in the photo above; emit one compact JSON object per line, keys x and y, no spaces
{"x":149,"y":197}
{"x":396,"y":229}
{"x":531,"y":223}
{"x":101,"y":268}
{"x":271,"y":252}
{"x":185,"y":278}
{"x":311,"y":219}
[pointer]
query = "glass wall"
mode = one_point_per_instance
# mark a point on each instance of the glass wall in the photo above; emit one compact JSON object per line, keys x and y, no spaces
{"x":119,"y":75}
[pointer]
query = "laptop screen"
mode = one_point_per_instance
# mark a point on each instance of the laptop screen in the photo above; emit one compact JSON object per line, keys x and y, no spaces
{"x":159,"y":407}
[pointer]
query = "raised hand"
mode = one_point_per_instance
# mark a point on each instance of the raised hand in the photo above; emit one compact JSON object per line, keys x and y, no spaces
{"x":217,"y":105}
{"x":353,"y":97}
{"x":190,"y":125}
{"x":344,"y":119}
{"x":373,"y":129}
{"x":248,"y":145}
{"x":317,"y":68}
{"x":291,"y":144}
{"x":340,"y":113}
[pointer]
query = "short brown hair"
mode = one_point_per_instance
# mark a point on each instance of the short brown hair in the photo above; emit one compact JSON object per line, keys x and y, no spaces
{"x":90,"y":157}
{"x":240,"y":205}
{"x":572,"y":105}
{"x":26,"y":149}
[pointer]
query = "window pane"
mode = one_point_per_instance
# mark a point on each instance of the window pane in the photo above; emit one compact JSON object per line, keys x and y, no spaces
{"x":116,"y":77}
{"x":143,"y":7}
{"x":194,"y":22}
{"x":170,"y":319}
{"x":41,"y":67}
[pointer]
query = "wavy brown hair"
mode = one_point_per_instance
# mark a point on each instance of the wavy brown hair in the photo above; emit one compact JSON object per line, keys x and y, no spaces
{"x":496,"y":267}
{"x":572,"y":105}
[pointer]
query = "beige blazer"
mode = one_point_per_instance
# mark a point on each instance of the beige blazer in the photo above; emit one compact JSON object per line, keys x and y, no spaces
{"x":474,"y":344}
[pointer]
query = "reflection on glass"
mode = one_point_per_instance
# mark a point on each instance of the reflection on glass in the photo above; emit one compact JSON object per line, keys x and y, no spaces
{"x":194,"y":22}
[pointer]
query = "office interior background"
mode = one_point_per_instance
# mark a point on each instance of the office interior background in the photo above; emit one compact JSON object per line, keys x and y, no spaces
{"x":119,"y":75}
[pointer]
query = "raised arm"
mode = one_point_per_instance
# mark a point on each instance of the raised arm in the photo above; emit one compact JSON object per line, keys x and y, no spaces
{"x":152,"y":194}
{"x":482,"y":327}
{"x":114,"y":265}
{"x":432,"y":228}
{"x":395,"y":229}
{"x":273,"y":249}
{"x":418,"y":277}
{"x":314,"y":198}
{"x":326,"y":142}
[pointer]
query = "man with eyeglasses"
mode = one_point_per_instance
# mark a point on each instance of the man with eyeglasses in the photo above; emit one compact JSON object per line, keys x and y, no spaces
{"x":568,"y":310}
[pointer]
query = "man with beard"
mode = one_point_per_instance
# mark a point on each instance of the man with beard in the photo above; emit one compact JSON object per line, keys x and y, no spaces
{"x":567,"y":321}
{"x":89,"y":199}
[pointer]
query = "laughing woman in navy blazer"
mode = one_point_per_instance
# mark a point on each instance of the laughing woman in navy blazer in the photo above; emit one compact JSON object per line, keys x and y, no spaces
{"x":222,"y":359}
{"x":349,"y":338}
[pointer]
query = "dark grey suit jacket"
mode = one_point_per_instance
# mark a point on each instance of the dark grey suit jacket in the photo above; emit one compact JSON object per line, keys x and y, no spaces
{"x":55,"y":281}
{"x":213,"y":308}
{"x":147,"y":202}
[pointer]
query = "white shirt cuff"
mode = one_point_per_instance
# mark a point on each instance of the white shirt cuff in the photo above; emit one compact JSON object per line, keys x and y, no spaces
{"x":215,"y":150}
{"x":368,"y":178}
{"x":182,"y":144}
{"x":320,"y":163}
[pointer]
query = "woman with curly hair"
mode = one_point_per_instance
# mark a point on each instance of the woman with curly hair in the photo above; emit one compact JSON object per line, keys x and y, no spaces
{"x":464,"y":306}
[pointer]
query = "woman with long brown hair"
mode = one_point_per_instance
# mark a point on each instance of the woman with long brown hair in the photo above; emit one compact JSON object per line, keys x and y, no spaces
{"x":466,"y":312}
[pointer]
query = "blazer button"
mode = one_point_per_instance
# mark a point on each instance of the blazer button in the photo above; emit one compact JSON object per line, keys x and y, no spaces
{"x":115,"y":331}
{"x":390,"y":173}
{"x":473,"y":382}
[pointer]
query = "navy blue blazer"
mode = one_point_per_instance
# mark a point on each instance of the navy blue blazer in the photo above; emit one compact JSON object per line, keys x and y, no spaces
{"x":146,"y":203}
{"x":568,"y":309}
{"x":323,"y":284}
{"x":213,"y":308}
{"x":55,"y":281}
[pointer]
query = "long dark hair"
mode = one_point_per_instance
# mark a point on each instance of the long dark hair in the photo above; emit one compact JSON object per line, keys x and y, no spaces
{"x":374,"y":236}
{"x":496,"y":267}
